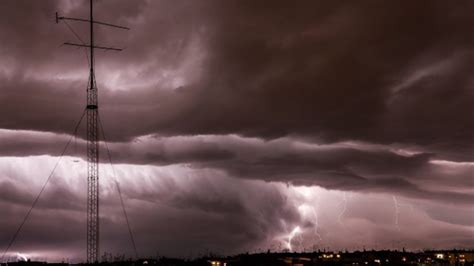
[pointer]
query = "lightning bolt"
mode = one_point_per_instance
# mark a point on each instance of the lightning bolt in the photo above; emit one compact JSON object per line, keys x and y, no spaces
{"x":309,"y":212}
{"x":293,"y":233}
{"x":23,"y":257}
{"x":397,"y":212}
{"x":344,"y":207}
{"x":316,"y":223}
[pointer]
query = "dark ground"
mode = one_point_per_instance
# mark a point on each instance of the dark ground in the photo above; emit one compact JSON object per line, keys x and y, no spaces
{"x":362,"y":258}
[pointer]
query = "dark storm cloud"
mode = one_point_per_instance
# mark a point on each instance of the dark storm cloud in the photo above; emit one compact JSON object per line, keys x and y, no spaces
{"x":292,"y":70}
{"x":319,"y":70}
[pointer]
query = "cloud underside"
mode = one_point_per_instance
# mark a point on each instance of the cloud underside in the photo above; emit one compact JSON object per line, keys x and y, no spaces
{"x":348,"y":166}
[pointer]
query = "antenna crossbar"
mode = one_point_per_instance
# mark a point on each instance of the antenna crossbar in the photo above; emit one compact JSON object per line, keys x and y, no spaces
{"x":58,"y":18}
{"x":93,"y":46}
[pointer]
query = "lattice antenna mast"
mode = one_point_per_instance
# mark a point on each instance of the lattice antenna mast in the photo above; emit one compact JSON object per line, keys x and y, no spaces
{"x":92,"y":139}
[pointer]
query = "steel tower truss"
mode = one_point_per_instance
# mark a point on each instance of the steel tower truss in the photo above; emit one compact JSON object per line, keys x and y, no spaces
{"x":92,"y":139}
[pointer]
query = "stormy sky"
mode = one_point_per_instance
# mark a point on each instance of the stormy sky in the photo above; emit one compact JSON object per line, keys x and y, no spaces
{"x":240,"y":126}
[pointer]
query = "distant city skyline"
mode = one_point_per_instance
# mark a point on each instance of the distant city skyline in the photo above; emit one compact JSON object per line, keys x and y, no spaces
{"x":240,"y":126}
